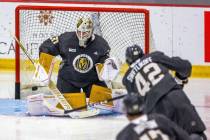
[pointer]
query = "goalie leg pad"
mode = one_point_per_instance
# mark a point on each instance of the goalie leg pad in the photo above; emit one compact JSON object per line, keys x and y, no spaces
{"x":41,"y":104}
{"x":99,"y":93}
{"x":76,"y":100}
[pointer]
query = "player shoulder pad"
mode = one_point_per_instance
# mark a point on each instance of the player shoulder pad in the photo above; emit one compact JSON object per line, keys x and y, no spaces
{"x":156,"y":55}
{"x":63,"y":36}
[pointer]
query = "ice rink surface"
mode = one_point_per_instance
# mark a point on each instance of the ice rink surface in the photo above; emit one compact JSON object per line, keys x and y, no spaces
{"x":97,"y":128}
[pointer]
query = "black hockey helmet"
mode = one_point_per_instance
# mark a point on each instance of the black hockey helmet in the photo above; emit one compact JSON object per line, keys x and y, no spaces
{"x":133,"y":53}
{"x":133,"y":104}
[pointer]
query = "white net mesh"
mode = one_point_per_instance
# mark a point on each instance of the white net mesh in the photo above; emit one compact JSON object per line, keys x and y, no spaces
{"x":120,"y":29}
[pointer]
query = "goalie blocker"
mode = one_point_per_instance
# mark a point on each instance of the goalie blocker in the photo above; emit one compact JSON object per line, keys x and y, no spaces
{"x":43,"y":72}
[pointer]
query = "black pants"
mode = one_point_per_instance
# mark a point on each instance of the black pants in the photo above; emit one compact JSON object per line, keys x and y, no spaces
{"x":66,"y":87}
{"x":176,"y":106}
{"x":198,"y":136}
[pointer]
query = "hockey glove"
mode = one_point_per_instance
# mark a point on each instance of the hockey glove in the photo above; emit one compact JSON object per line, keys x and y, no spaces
{"x":40,"y":77}
{"x":180,"y":80}
{"x":110,"y":69}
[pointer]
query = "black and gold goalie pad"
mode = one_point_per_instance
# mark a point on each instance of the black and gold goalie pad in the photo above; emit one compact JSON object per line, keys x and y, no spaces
{"x":99,"y":93}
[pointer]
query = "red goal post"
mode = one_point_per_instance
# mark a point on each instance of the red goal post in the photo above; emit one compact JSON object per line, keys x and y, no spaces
{"x":120,"y":25}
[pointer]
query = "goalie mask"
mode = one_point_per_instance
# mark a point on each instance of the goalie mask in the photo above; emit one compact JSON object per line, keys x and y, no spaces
{"x":84,"y":31}
{"x":133,"y":53}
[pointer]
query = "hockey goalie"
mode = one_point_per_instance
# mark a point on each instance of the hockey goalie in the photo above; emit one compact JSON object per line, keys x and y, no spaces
{"x":41,"y":104}
{"x":86,"y":68}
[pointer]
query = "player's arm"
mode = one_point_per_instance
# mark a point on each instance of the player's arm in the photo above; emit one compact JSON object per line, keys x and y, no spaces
{"x":182,"y":68}
{"x":47,"y":50}
{"x":177,"y":64}
{"x":50,"y":46}
{"x":99,"y":66}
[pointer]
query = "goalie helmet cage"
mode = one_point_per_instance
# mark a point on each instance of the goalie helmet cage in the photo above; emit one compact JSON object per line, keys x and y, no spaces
{"x":120,"y":25}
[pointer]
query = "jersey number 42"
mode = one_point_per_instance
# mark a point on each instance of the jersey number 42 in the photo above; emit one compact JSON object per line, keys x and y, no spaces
{"x":153,"y":74}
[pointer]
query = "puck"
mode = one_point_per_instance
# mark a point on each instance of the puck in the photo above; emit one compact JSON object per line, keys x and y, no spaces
{"x":34,"y":88}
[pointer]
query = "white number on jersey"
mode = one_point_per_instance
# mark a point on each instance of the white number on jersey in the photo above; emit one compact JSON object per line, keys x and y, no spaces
{"x":154,"y":135}
{"x":154,"y":76}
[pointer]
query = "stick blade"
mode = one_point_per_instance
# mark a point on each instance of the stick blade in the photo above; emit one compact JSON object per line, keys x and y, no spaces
{"x":84,"y":114}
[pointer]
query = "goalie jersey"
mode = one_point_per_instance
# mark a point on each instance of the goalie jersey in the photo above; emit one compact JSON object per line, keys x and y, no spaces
{"x":152,"y":127}
{"x":78,"y":63}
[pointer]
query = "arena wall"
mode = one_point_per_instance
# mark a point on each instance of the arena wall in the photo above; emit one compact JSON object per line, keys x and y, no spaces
{"x":176,"y":30}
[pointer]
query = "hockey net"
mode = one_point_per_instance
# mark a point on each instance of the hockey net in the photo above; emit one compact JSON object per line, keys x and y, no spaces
{"x":121,"y":27}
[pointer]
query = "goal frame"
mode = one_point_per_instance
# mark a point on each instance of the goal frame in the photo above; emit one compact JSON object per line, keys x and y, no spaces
{"x":82,"y":7}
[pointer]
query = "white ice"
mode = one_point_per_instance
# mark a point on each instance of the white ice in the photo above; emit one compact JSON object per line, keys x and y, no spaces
{"x":99,"y":128}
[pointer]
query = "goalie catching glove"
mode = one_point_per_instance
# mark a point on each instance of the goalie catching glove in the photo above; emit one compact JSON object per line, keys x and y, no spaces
{"x":109,"y":70}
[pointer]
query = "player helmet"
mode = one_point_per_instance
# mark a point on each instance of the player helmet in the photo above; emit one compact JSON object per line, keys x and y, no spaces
{"x":133,"y":104}
{"x":84,"y":30}
{"x":133,"y":53}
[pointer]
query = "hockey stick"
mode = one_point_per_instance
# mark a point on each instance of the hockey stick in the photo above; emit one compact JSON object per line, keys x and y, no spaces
{"x":97,"y":103}
{"x":58,"y":95}
{"x":52,"y":86}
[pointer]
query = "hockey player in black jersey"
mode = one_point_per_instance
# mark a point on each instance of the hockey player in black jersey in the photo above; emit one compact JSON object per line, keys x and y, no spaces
{"x":80,"y":52}
{"x":148,"y":127}
{"x":148,"y":75}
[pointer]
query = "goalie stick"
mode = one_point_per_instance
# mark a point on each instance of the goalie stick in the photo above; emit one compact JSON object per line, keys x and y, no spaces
{"x":58,"y":95}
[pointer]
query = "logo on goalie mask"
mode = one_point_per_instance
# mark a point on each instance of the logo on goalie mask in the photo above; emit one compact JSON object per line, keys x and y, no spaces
{"x":83,"y":63}
{"x":84,"y":30}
